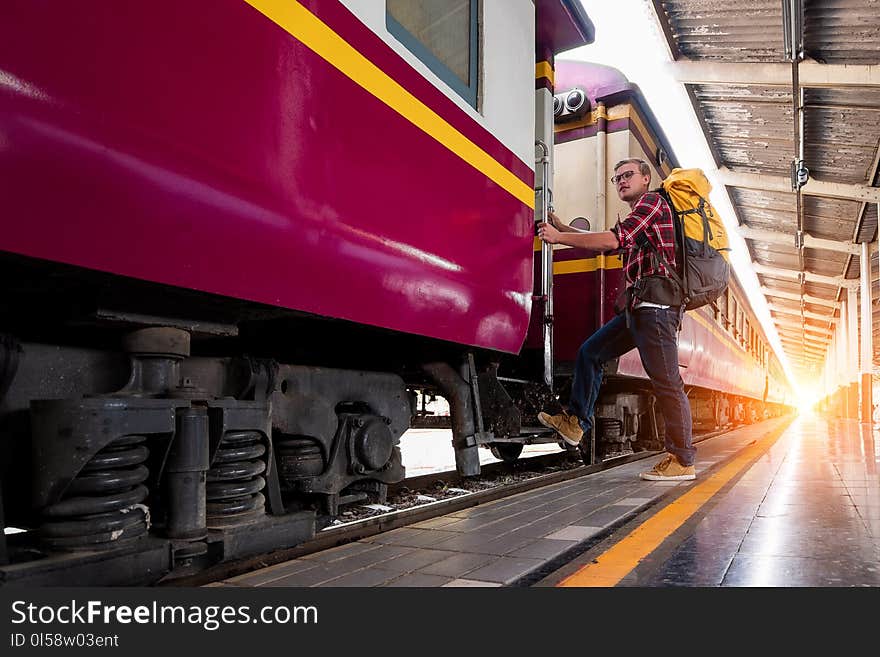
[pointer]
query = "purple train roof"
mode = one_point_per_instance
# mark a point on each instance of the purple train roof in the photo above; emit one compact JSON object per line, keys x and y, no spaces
{"x":561,"y":25}
{"x":610,"y":86}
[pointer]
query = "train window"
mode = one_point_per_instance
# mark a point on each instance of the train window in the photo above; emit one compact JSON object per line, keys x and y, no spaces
{"x":732,"y":315}
{"x":444,"y":35}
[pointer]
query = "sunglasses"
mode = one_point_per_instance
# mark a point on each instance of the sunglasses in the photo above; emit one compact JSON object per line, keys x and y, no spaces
{"x":626,"y":175}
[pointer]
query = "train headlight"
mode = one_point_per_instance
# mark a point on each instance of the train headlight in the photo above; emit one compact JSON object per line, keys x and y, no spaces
{"x":570,"y":105}
{"x":575,"y":101}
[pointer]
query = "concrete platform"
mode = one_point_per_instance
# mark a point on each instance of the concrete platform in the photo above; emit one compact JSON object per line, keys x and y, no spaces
{"x":783,"y":503}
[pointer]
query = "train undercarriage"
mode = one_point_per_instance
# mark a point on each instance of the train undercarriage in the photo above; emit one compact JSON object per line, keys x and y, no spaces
{"x":192,"y":461}
{"x":627,"y":417}
{"x":196,"y":442}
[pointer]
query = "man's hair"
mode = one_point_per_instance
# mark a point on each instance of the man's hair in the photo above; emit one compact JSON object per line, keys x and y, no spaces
{"x":644,"y":169}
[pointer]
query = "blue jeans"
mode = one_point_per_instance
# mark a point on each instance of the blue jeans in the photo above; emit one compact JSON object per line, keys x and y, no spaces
{"x":654,"y":332}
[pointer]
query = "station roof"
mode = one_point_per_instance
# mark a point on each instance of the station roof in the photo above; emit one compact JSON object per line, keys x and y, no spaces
{"x":731,"y":56}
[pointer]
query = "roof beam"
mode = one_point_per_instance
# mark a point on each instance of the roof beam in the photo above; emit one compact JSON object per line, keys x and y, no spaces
{"x":808,"y":358}
{"x":860,"y":217}
{"x":817,"y":347}
{"x":772,"y":237}
{"x":796,"y":311}
{"x":793,"y":342}
{"x":810,"y":74}
{"x":813,"y":187}
{"x":803,"y":348}
{"x":808,"y":363}
{"x":812,"y":355}
{"x":797,"y":325}
{"x":795,"y":334}
{"x":791,"y":296}
{"x":796,"y":342}
{"x":813,"y":350}
{"x":798,"y":334}
{"x":797,"y":329}
{"x":838,"y":281}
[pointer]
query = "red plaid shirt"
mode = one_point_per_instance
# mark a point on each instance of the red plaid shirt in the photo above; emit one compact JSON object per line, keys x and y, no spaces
{"x":651,"y":218}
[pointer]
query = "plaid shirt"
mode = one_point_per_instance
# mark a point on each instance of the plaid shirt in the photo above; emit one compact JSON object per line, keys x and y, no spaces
{"x":651,"y":218}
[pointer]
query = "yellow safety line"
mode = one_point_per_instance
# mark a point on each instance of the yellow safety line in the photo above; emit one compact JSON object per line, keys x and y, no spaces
{"x":307,"y":28}
{"x":618,"y":561}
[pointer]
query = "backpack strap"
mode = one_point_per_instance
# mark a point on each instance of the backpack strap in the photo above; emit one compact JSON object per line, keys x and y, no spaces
{"x":643,"y":241}
{"x":678,"y":230}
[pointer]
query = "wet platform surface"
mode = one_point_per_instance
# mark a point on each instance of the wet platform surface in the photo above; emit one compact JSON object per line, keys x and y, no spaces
{"x":806,"y":513}
{"x":788,"y":502}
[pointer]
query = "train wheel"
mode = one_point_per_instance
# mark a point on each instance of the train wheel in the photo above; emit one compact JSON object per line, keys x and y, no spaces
{"x":507,"y":452}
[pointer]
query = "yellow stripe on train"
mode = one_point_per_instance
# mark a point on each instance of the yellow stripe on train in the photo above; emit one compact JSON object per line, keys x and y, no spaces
{"x":307,"y":28}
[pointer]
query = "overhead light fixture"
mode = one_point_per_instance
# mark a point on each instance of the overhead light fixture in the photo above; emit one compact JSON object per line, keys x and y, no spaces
{"x":793,"y":28}
{"x":800,"y":174}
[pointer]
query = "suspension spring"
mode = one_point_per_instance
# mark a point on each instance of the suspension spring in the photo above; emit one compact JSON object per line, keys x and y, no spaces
{"x":299,"y":458}
{"x":610,"y":429}
{"x":103,"y":505}
{"x":235,"y":481}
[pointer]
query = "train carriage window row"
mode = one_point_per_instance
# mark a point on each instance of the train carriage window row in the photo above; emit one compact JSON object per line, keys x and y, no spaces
{"x":730,"y":315}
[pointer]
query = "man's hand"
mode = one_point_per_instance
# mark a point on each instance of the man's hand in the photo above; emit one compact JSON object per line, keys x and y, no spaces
{"x":548,"y":233}
{"x":555,"y":221}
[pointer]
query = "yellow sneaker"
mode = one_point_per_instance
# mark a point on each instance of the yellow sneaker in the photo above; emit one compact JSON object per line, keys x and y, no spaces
{"x":565,"y":425}
{"x":669,"y":469}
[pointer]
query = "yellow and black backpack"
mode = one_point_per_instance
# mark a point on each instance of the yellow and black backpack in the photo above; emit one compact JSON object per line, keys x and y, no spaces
{"x":701,"y":246}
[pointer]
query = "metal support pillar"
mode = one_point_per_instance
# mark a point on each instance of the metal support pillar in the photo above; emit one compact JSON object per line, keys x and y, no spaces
{"x":867,"y":348}
{"x":841,"y":375}
{"x":829,"y":373}
{"x":852,"y":356}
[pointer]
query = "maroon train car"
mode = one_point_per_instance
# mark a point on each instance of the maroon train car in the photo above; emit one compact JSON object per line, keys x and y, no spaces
{"x":236,"y":234}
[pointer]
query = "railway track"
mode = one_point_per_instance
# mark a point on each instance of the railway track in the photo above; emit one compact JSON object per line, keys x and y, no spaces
{"x":496,"y":481}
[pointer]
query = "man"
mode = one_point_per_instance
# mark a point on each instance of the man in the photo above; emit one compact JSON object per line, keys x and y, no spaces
{"x":650,"y":322}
